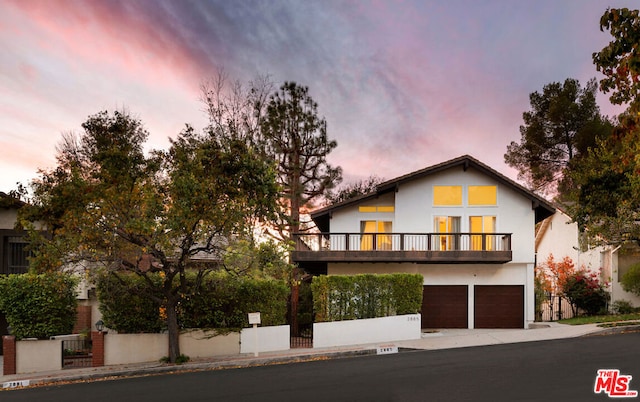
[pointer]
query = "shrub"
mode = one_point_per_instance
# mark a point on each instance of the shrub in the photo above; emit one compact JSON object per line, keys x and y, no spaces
{"x":221,"y":301}
{"x":623,"y":307}
{"x":39,"y":305}
{"x":127,"y":304}
{"x":630,"y":281}
{"x":343,"y":297}
{"x":585,"y":292}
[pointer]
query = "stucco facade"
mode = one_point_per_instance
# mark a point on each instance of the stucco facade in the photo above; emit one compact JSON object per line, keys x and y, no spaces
{"x":408,"y":207}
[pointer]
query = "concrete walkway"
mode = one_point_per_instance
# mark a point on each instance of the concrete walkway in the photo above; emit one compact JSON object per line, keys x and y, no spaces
{"x":440,"y":339}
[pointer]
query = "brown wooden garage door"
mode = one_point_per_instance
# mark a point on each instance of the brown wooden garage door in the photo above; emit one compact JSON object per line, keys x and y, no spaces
{"x":445,"y":306}
{"x":499,"y":306}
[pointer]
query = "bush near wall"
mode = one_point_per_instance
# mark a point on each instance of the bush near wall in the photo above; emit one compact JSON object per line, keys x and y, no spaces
{"x":127,"y":304}
{"x":39,"y":305}
{"x":222,"y":301}
{"x":348,"y":297}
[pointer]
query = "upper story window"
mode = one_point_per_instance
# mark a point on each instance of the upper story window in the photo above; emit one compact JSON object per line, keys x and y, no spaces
{"x":447,"y":195}
{"x":373,"y":208}
{"x":483,"y":195}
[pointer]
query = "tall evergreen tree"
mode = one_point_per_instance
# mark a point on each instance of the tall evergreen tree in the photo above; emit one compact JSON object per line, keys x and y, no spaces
{"x":296,"y":138}
{"x":564,"y":121}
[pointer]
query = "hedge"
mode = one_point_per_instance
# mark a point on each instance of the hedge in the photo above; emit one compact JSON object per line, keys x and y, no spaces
{"x":39,"y":305}
{"x":222,"y":301}
{"x":337,"y":298}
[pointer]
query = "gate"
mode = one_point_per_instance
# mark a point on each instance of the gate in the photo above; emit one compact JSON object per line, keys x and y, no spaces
{"x":304,"y":338}
{"x":555,"y":307}
{"x":76,"y":353}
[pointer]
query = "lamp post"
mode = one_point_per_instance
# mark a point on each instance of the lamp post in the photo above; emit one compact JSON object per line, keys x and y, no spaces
{"x":99,"y":325}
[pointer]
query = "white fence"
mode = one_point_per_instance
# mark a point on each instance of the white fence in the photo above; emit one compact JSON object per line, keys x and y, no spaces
{"x":370,"y":330}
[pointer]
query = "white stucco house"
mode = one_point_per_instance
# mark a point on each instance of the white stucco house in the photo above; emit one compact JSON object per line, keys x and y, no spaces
{"x":466,"y":228}
{"x":559,"y":236}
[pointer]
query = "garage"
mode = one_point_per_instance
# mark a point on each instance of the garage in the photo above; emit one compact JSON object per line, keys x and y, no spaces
{"x":445,"y":306}
{"x":499,"y":306}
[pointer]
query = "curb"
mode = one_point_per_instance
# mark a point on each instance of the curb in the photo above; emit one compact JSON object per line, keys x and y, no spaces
{"x":196,"y":366}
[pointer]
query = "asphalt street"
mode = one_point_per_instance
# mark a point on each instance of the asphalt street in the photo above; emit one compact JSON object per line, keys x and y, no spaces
{"x":558,"y":370}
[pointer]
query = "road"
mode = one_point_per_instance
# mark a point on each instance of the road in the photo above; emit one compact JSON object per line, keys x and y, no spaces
{"x":561,"y":370}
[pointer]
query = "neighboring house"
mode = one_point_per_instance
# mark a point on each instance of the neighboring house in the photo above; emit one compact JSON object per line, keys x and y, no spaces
{"x":13,"y":253}
{"x":559,"y":236}
{"x":14,"y":259}
{"x":469,"y":230}
{"x":13,"y":243}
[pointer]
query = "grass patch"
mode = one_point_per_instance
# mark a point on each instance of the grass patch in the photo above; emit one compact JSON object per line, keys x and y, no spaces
{"x":598,"y":319}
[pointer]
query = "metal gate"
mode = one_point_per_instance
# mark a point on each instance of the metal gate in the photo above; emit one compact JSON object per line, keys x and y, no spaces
{"x":555,"y":307}
{"x":76,"y":353}
{"x":304,"y":338}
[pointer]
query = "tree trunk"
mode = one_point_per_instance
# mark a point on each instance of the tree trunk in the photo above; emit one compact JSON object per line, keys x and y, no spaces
{"x":174,"y":331}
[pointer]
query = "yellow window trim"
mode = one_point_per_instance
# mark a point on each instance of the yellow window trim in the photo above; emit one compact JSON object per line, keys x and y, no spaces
{"x":384,"y":208}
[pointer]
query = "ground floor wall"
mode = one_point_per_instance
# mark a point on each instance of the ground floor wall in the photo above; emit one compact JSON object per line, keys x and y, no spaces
{"x":469,"y":275}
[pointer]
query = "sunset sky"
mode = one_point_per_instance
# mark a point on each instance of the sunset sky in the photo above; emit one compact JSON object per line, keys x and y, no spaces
{"x":402,"y":84}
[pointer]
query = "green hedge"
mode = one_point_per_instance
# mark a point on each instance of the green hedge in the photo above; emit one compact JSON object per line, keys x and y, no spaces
{"x":39,"y":305}
{"x":127,"y":305}
{"x":221,"y":302}
{"x":337,"y":298}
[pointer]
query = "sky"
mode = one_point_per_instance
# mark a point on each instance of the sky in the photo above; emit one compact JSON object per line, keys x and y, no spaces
{"x":402,"y":84}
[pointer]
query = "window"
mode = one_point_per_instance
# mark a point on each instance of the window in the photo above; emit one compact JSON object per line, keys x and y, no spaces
{"x":371,"y":239}
{"x":482,"y":224}
{"x":447,"y":195}
{"x":483,"y":195}
{"x":451,"y":226}
{"x":383,"y":208}
{"x":17,"y":255}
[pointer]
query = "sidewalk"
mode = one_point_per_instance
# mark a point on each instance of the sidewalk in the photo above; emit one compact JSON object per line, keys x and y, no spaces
{"x":441,"y":339}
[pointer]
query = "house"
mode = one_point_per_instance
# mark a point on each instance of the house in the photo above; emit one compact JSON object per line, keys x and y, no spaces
{"x":559,"y":236}
{"x":14,"y":259}
{"x":469,"y":230}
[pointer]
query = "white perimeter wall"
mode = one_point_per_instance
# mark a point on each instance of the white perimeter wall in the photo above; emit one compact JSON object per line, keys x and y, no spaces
{"x":32,"y":356}
{"x":268,"y":339}
{"x":370,"y":330}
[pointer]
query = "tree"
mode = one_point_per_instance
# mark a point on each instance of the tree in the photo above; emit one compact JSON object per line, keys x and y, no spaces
{"x":619,"y":61}
{"x":608,"y":200}
{"x":631,"y":280}
{"x":564,"y":121}
{"x":296,"y":138}
{"x":355,"y":189}
{"x":553,"y":274}
{"x":109,"y":204}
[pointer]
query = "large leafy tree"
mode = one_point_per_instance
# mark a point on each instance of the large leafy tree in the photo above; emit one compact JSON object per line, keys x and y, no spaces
{"x":608,"y":202}
{"x":619,"y":61}
{"x":563,"y":122}
{"x":108,"y":204}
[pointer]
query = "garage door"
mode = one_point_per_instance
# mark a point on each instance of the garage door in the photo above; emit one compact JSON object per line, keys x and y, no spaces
{"x":499,"y":306}
{"x":445,"y":306}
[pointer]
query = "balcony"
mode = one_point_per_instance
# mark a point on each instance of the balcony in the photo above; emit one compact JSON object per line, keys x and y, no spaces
{"x":422,"y":248}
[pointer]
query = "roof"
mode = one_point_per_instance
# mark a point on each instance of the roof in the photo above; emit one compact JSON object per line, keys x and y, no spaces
{"x":7,"y":201}
{"x":542,"y":207}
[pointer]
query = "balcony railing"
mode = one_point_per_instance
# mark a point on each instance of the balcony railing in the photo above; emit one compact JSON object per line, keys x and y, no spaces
{"x":403,"y":247}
